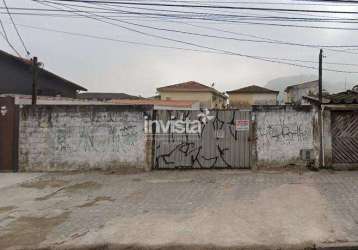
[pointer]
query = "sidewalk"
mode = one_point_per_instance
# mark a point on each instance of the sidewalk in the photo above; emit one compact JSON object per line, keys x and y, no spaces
{"x":190,"y":209}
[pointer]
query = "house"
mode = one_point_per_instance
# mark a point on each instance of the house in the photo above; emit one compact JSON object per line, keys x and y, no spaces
{"x":252,"y":95}
{"x":294,"y":93}
{"x":339,"y":128}
{"x":208,"y":97}
{"x":99,"y":96}
{"x":160,"y":104}
{"x":16,"y":78}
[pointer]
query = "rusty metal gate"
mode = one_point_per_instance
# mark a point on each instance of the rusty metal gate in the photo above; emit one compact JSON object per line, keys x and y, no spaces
{"x":8,"y":134}
{"x":345,"y":137}
{"x":202,"y":139}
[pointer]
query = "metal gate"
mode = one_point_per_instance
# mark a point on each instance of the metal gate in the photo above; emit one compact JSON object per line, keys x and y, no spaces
{"x":202,"y":139}
{"x":345,"y":137}
{"x":8,"y":134}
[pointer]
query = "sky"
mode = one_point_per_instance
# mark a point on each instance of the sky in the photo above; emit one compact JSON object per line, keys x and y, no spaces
{"x":111,"y":66}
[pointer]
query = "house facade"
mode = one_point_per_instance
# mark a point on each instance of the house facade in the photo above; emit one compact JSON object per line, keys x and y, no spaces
{"x":16,"y":78}
{"x":208,"y":97}
{"x":252,"y":95}
{"x":295,"y":93}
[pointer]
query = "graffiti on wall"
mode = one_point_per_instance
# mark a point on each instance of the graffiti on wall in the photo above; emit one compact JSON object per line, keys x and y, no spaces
{"x":67,"y":137}
{"x":95,"y":138}
{"x":284,"y":132}
{"x":281,"y":135}
{"x":218,"y":145}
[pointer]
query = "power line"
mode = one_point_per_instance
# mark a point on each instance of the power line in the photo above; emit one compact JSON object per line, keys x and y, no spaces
{"x":95,"y":17}
{"x":17,"y":31}
{"x":210,"y":6}
{"x":256,"y":17}
{"x":210,"y":18}
{"x":6,"y":38}
{"x":160,"y":46}
{"x":112,"y":39}
{"x":263,"y":40}
{"x":220,"y":18}
{"x":267,"y":40}
{"x":334,"y":1}
{"x":265,"y":3}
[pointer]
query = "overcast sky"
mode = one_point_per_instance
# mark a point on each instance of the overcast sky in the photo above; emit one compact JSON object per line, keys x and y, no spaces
{"x":109,"y":66}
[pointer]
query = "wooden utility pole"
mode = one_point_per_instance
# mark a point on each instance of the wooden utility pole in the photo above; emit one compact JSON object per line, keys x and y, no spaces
{"x":320,"y":76}
{"x":320,"y":123}
{"x":34,"y":80}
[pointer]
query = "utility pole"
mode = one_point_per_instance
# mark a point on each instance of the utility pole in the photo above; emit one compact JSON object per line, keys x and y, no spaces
{"x":34,"y":80}
{"x":320,"y":123}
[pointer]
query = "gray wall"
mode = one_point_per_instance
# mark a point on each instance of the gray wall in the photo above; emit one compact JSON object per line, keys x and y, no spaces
{"x":62,"y":138}
{"x":281,"y":133}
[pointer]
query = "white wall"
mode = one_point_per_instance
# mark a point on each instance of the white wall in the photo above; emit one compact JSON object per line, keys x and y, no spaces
{"x":281,"y":133}
{"x":88,"y":137}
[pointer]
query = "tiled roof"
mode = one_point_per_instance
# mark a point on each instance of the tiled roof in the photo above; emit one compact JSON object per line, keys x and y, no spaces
{"x":106,"y":96}
{"x":347,"y":97}
{"x":167,"y":103}
{"x":50,"y":100}
{"x":190,"y":86}
{"x":253,"y":89}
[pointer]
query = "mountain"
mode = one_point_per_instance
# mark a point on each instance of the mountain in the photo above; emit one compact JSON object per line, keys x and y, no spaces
{"x":282,"y":82}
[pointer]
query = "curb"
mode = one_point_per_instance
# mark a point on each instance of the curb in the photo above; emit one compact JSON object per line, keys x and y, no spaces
{"x":338,"y":246}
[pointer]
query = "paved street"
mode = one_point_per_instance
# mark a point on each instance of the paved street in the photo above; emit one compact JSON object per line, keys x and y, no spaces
{"x":181,"y":208}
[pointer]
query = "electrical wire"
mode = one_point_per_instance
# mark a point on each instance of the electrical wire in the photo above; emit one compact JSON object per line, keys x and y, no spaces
{"x":263,"y":40}
{"x":159,"y":46}
{"x":95,"y":17}
{"x":208,"y":6}
{"x":16,"y":29}
{"x":6,"y":38}
{"x":210,"y":18}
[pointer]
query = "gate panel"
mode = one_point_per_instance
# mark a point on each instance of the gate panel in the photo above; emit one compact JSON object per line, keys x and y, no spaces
{"x":223,"y":141}
{"x":345,"y":137}
{"x":8,"y":151}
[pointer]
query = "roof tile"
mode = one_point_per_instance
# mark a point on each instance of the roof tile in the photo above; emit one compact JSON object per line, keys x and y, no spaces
{"x":191,"y":86}
{"x":253,"y":89}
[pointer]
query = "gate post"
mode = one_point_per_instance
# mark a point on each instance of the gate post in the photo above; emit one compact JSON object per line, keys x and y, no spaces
{"x":9,"y":134}
{"x":253,"y":141}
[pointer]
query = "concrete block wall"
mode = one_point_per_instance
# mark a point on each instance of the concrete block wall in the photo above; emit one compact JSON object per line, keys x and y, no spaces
{"x":281,"y":132}
{"x":327,"y":139}
{"x":77,"y":137}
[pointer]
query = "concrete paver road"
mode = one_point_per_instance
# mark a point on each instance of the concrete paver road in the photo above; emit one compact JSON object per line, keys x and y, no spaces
{"x":182,"y":208}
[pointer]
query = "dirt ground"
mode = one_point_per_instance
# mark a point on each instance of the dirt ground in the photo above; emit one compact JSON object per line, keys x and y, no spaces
{"x":179,"y":210}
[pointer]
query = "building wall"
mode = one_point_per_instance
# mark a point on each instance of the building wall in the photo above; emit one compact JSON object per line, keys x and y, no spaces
{"x":281,"y":133}
{"x":63,"y":138}
{"x":295,"y":94}
{"x":206,"y":99}
{"x":238,"y":100}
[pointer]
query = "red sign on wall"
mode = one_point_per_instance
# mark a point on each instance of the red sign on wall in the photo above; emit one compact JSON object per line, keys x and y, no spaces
{"x":242,"y":125}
